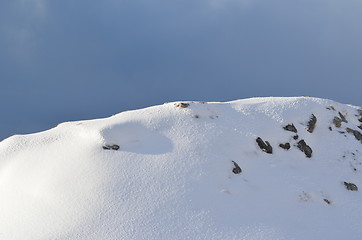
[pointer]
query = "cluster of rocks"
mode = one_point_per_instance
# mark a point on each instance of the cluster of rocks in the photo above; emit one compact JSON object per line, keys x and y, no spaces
{"x":266,"y":147}
{"x":301,"y":145}
{"x":340,"y":119}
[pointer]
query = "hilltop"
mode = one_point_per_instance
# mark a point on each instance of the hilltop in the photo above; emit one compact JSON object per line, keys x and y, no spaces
{"x":258,"y":168}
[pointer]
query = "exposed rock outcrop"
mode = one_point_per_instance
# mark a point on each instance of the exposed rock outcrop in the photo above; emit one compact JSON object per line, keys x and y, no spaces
{"x":305,"y":148}
{"x":356,"y":134}
{"x":337,"y":121}
{"x":236,"y":168}
{"x":291,"y":128}
{"x":182,"y":105}
{"x":111,"y":147}
{"x":311,"y":124}
{"x":342,"y":117}
{"x":285,"y":146}
{"x":350,"y":186}
{"x":265,"y":146}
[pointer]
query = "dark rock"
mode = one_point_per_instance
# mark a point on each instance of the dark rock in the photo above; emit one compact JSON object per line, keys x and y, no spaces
{"x":331,"y":108}
{"x":327,"y":201}
{"x":356,"y":134}
{"x":182,"y":105}
{"x":236,"y":168}
{"x":342,"y":117}
{"x":265,"y":146}
{"x":330,"y":128}
{"x":351,"y":186}
{"x":360,"y":126}
{"x":290,"y":127}
{"x":311,"y":124}
{"x":111,"y":147}
{"x":295,"y":137}
{"x":337,"y":122}
{"x":305,"y":148}
{"x":360,"y":119}
{"x":285,"y":146}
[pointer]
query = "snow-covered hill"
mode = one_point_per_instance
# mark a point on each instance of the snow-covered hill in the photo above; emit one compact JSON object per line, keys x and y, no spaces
{"x":260,"y":168}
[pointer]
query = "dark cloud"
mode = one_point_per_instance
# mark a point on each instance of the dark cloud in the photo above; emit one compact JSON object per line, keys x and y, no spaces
{"x":70,"y":60}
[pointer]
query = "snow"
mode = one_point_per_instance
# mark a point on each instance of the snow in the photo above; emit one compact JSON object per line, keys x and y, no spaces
{"x":172,"y":176}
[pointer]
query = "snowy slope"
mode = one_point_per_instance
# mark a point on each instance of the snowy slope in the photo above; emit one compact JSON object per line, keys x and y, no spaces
{"x":176,"y":176}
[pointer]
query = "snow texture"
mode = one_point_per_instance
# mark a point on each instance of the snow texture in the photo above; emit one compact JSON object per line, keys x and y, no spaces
{"x":176,"y":174}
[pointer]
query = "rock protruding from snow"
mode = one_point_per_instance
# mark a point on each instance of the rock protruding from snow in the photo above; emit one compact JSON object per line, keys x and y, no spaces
{"x":285,"y":146}
{"x":237,"y":168}
{"x":111,"y":147}
{"x":350,"y":186}
{"x":182,"y":105}
{"x":264,"y":146}
{"x":305,"y":148}
{"x":290,"y":127}
{"x":356,"y":134}
{"x":311,"y":124}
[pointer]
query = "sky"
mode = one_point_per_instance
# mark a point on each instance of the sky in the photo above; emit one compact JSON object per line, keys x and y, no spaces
{"x":75,"y":59}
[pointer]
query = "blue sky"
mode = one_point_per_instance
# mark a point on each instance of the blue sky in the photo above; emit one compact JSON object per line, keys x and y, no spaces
{"x":72,"y":59}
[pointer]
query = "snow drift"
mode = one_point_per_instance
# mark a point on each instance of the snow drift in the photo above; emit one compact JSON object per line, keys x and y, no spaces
{"x":189,"y":170}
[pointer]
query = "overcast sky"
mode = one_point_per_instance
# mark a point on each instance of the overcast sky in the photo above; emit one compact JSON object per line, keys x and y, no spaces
{"x":64,"y":60}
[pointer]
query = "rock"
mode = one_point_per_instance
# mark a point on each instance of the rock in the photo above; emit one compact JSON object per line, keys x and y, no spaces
{"x":265,"y":146}
{"x":305,"y":148}
{"x":327,"y":201}
{"x":351,"y":186}
{"x":236,"y":168}
{"x":342,"y":117}
{"x":360,"y":126}
{"x":337,"y":122}
{"x":311,"y":124}
{"x":330,"y":128}
{"x":360,"y":119}
{"x":285,"y":146}
{"x":111,"y":147}
{"x":356,"y":134}
{"x":290,"y":127}
{"x":331,"y":108}
{"x":182,"y":105}
{"x":295,"y":137}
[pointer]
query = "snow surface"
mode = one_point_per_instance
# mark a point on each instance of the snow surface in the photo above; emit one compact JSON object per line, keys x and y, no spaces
{"x":172,"y":177}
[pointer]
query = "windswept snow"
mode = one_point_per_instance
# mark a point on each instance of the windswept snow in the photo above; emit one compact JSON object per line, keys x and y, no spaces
{"x":173,"y":175}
